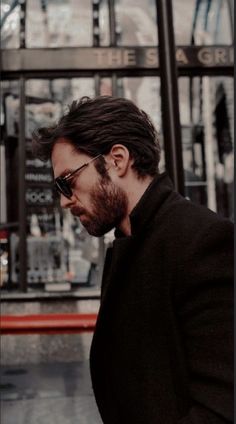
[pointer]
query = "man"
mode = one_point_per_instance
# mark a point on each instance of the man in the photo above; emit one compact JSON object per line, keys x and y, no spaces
{"x":162,"y":348}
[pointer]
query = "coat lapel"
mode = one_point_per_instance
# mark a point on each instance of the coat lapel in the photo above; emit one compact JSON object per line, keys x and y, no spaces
{"x":117,"y":260}
{"x":120,"y":256}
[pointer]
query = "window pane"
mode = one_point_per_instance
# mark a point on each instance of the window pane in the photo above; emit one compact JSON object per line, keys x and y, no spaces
{"x":59,"y":249}
{"x":106,"y":87}
{"x":183,"y":15}
{"x":136,"y":22}
{"x":10,"y":24}
{"x":145,"y":93}
{"x":56,"y":23}
{"x":207,"y":115}
{"x":205,"y":22}
{"x":9,"y":220}
{"x":104,"y":23}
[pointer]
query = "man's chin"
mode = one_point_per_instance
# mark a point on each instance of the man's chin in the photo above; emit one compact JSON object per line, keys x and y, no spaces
{"x":95,"y":230}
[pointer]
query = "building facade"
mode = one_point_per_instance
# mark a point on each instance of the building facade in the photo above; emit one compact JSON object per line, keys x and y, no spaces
{"x":55,"y":51}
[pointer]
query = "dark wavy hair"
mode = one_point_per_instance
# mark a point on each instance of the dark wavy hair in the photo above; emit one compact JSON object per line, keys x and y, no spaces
{"x":93,"y":126}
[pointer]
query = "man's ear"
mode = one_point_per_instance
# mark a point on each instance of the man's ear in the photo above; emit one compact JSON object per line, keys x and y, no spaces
{"x":119,"y":159}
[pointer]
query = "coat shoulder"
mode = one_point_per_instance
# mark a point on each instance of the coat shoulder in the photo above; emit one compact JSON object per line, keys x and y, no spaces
{"x":185,"y":222}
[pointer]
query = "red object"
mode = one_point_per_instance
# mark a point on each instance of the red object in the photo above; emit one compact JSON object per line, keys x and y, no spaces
{"x":3,"y":234}
{"x":48,"y":324}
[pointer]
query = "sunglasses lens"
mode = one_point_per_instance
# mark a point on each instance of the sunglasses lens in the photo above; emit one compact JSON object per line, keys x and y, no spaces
{"x":63,"y":187}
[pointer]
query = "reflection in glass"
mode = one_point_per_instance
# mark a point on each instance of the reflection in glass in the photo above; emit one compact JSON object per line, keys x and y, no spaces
{"x":45,"y":253}
{"x":59,"y":23}
{"x":212,"y":23}
{"x":8,"y":174}
{"x":104,"y":23}
{"x":136,"y":22}
{"x":145,"y":93}
{"x":206,"y":111}
{"x":202,"y":22}
{"x":183,"y":12}
{"x":10,"y":24}
{"x":59,"y":249}
{"x":61,"y":90}
{"x":106,"y":87}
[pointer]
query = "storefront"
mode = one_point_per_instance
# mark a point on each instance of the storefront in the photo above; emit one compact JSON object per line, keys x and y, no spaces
{"x":57,"y":51}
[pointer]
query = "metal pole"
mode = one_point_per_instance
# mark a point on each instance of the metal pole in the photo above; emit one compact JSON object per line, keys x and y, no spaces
{"x":101,"y":240}
{"x":169,"y":94}
{"x":209,"y":144}
{"x":22,"y":190}
{"x":22,"y":23}
{"x":112,"y":23}
{"x":96,"y":26}
{"x":113,"y":40}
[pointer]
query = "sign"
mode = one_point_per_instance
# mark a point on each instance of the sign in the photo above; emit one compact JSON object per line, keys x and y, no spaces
{"x":39,"y":196}
{"x":38,"y":177}
{"x":108,"y":58}
{"x":148,"y":57}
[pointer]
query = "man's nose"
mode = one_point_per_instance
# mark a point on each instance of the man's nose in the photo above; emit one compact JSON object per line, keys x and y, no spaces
{"x":65,"y":202}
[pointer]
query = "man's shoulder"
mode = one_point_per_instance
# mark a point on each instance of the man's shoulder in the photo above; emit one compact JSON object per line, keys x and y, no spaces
{"x":182,"y":220}
{"x":180,"y":209}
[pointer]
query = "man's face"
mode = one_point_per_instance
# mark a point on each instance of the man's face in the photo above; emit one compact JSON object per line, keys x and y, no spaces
{"x":96,"y":200}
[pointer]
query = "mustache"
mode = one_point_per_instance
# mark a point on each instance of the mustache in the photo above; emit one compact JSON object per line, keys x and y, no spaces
{"x":77,"y":211}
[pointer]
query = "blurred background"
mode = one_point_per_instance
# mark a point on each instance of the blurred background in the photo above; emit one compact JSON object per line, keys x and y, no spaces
{"x":54,"y":51}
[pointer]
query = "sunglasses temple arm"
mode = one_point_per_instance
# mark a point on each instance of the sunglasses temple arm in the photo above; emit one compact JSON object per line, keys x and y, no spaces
{"x":81,"y":167}
{"x":76,"y":170}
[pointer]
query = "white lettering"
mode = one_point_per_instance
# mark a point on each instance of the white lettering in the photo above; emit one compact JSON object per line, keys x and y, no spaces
{"x":181,"y":56}
{"x":220,"y":56}
{"x":115,"y":58}
{"x":205,"y":56}
{"x":37,"y":197}
{"x":129,"y":57}
{"x":101,"y":55}
{"x":38,"y":177}
{"x":37,"y":163}
{"x":152,"y":57}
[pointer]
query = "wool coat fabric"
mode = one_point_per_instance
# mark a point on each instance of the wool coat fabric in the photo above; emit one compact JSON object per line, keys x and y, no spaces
{"x":162,"y":348}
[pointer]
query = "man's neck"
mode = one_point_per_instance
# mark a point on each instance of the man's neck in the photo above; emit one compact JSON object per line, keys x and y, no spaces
{"x":134,"y":194}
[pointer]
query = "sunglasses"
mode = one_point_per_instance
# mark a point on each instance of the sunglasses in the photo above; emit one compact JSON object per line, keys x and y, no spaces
{"x":63,"y":185}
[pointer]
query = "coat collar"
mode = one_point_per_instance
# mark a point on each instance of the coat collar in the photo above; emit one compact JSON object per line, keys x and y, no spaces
{"x":149,"y":204}
{"x":119,"y":256}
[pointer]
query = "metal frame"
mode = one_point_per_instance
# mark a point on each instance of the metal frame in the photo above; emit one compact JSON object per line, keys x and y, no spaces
{"x":22,"y":191}
{"x":169,"y":94}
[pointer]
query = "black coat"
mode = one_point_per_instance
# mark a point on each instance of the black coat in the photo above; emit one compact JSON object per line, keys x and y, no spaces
{"x":162,"y":349}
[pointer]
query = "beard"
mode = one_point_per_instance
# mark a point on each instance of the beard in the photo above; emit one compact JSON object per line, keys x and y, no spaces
{"x":109,"y":207}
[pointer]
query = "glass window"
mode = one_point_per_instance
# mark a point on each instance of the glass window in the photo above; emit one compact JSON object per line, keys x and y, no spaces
{"x":136,"y":22}
{"x":145,"y":93}
{"x":59,"y":248}
{"x":10,"y":24}
{"x":207,"y":114}
{"x":104,"y":23}
{"x":183,"y":13}
{"x":54,"y":23}
{"x":9,"y":220}
{"x":62,"y":90}
{"x":106,"y":87}
{"x":202,"y":22}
